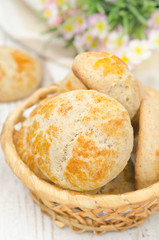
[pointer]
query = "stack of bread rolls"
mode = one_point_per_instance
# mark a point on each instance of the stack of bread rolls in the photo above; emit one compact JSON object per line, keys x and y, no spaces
{"x":82,"y":139}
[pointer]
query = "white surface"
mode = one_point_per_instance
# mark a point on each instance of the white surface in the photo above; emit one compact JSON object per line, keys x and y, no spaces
{"x":20,"y":218}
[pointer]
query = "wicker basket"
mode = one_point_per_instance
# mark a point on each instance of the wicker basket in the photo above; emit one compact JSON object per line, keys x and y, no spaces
{"x":80,"y":211}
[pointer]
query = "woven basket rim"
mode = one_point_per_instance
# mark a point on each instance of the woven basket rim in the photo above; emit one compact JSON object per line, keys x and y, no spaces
{"x":55,"y":193}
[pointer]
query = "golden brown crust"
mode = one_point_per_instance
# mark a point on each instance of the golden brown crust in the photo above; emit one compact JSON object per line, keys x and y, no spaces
{"x":86,"y":150}
{"x":22,"y":143}
{"x":124,"y":182}
{"x":20,"y":74}
{"x":107,"y":73}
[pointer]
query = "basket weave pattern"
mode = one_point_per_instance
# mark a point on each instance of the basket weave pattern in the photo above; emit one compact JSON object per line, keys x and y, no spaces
{"x":80,"y":211}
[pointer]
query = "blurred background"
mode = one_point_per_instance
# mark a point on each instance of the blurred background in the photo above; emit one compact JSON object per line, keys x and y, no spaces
{"x":59,"y":29}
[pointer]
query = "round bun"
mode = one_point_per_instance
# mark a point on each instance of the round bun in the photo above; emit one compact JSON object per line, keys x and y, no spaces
{"x":80,"y":140}
{"x":108,"y":74}
{"x":20,"y":74}
{"x":71,"y":82}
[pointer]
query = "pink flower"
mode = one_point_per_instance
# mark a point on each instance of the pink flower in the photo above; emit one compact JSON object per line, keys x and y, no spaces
{"x":81,"y":23}
{"x":116,"y":40}
{"x":99,"y":25}
{"x":68,"y":30}
{"x":87,"y":39}
{"x":51,"y":13}
{"x":86,"y":42}
{"x":48,"y":3}
{"x":154,"y":20}
{"x":92,"y":19}
{"x":95,"y":45}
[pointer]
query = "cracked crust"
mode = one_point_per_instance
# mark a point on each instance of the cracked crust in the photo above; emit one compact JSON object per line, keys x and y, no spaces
{"x":81,"y":139}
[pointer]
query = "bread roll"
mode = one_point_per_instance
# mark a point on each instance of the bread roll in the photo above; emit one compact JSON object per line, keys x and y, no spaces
{"x":70,"y":82}
{"x":80,"y":140}
{"x":124,"y":182}
{"x":108,"y":74}
{"x":147,"y":154}
{"x":20,"y":74}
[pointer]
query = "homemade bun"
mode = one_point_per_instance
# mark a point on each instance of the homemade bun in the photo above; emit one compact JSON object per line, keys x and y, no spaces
{"x":70,"y":82}
{"x":107,"y":73}
{"x":20,"y":74}
{"x":124,"y":182}
{"x":147,"y":154}
{"x":80,"y":140}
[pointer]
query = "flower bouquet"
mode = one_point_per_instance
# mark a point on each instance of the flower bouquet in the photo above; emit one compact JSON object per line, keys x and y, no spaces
{"x":126,"y":28}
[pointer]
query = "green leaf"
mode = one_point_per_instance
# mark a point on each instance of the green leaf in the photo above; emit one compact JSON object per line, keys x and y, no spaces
{"x":126,"y":23}
{"x":132,"y":15}
{"x":137,"y":14}
{"x":100,"y":8}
